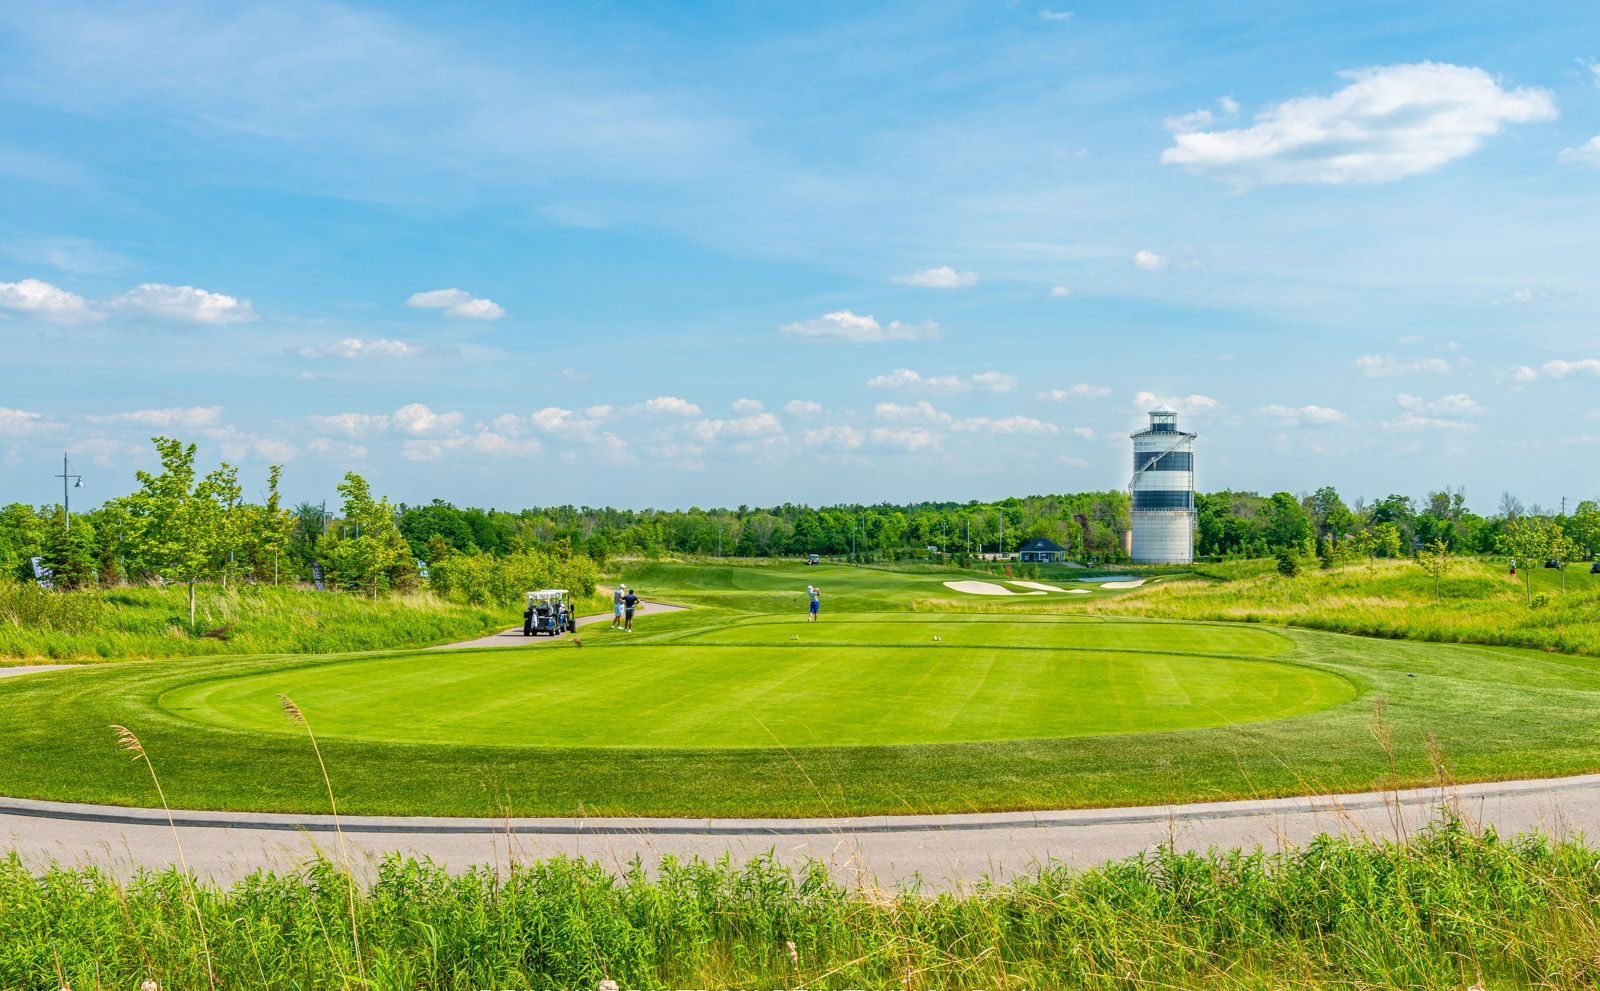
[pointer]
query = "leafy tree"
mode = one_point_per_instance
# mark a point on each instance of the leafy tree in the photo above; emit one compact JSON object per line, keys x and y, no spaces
{"x":67,"y":554}
{"x":374,"y":557}
{"x":1435,"y":560}
{"x":22,"y":534}
{"x":1583,"y":527}
{"x":1288,"y":564}
{"x":1529,"y":541}
{"x":272,"y":526}
{"x":177,"y":521}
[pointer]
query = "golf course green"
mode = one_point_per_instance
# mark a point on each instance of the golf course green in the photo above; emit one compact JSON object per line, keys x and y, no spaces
{"x":907,"y":696}
{"x":853,"y":684}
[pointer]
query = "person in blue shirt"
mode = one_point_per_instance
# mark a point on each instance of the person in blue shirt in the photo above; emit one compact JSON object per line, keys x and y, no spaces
{"x":816,"y":601}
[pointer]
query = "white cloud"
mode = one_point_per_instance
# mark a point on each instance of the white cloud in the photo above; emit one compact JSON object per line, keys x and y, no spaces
{"x":843,"y":325}
{"x":19,"y":422}
{"x":1087,"y":433}
{"x":420,"y":421}
{"x":1149,"y":260}
{"x":337,"y":449}
{"x":1005,"y":425}
{"x":1587,"y":153}
{"x":742,"y":428}
{"x":1558,"y":368}
{"x":905,"y":438}
{"x":994,"y":381}
{"x":431,"y":448}
{"x":1388,"y":123}
{"x":1293,"y":415}
{"x":457,"y":303}
{"x":187,"y":303}
{"x":355,"y":347}
{"x":505,"y":444}
{"x":1455,"y":404}
{"x":1055,"y":15}
{"x":582,"y":424}
{"x":673,"y":405}
{"x":191,"y":417}
{"x":919,"y":411}
{"x":747,"y":406}
{"x":1412,"y":423}
{"x":1388,"y":366}
{"x":1192,"y":121}
{"x":1082,"y":390}
{"x":1145,"y":401}
{"x":352,"y":424}
{"x":45,"y":300}
{"x":1228,"y":104}
{"x":1060,"y":292}
{"x":802,"y":407}
{"x":839,"y":438}
{"x":943,"y":277}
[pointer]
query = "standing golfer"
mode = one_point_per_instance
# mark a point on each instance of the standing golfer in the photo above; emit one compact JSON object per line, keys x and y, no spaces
{"x":816,"y":601}
{"x":629,"y":601}
{"x":616,"y":605}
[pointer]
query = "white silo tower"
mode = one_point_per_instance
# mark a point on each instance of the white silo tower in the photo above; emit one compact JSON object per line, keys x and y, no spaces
{"x":1162,"y":492}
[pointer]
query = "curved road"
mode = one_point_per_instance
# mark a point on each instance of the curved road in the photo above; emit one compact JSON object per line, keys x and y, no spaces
{"x":944,"y":851}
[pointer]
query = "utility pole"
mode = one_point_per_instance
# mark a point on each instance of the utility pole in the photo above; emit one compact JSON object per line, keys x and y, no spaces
{"x":66,"y":505}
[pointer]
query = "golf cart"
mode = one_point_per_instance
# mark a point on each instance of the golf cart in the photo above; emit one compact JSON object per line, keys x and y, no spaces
{"x":549,"y":611}
{"x":1594,"y":569}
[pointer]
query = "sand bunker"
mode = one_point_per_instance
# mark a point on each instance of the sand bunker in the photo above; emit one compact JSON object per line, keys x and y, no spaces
{"x":1038,"y":585}
{"x":1133,"y":584}
{"x":1077,"y":591}
{"x":984,"y":588}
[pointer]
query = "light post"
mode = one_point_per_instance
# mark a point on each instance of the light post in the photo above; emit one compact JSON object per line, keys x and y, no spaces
{"x":66,"y":490}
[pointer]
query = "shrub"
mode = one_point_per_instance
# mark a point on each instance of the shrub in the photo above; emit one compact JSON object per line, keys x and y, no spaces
{"x":482,"y":579}
{"x":1288,"y":565}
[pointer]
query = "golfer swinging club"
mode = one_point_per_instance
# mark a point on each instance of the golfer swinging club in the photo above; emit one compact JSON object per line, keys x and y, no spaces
{"x":816,"y":601}
{"x":616,"y":605}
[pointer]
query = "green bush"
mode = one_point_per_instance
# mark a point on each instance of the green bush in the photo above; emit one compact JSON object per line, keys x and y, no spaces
{"x":483,"y":579}
{"x":1288,"y":565}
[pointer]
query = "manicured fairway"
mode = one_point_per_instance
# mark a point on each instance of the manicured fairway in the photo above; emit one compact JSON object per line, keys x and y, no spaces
{"x":692,"y":695}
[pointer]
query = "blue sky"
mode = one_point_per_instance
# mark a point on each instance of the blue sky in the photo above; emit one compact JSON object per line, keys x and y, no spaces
{"x":674,"y":254}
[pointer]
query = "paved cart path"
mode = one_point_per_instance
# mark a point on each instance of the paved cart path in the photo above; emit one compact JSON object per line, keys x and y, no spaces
{"x":944,"y":851}
{"x":12,"y":672}
{"x":514,"y":638}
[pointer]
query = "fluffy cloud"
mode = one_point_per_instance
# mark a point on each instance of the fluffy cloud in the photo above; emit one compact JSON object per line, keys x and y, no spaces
{"x":1388,"y":123}
{"x":355,"y":347}
{"x":582,"y":424}
{"x":904,"y":438}
{"x":191,"y":417}
{"x":1388,"y":366}
{"x":1455,"y":404}
{"x":432,"y":448}
{"x":920,"y":411}
{"x":740,"y":428}
{"x":1557,"y":369}
{"x":943,"y":277}
{"x":911,"y":381}
{"x":20,"y":422}
{"x":802,"y":407}
{"x":1144,"y":401}
{"x":420,"y":421}
{"x":994,"y":381}
{"x":747,"y":406}
{"x":352,"y":424}
{"x":1005,"y":425}
{"x":1412,"y":423}
{"x":1060,"y":292}
{"x":1082,"y":390}
{"x":1587,"y":153}
{"x":337,"y":450}
{"x":838,"y":438}
{"x":671,"y":404}
{"x":1294,"y":415}
{"x":187,"y":303}
{"x":843,"y":325}
{"x":457,"y":303}
{"x":1150,"y":261}
{"x":44,"y":300}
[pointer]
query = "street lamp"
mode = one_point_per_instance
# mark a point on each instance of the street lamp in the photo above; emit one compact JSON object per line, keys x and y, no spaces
{"x":77,"y":483}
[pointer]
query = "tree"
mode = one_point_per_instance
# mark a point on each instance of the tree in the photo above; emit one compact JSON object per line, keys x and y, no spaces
{"x":1528,"y":540}
{"x":1435,"y":560}
{"x":177,"y":522}
{"x":67,"y":554}
{"x":273,"y":525}
{"x":1583,"y":527}
{"x":374,"y":557}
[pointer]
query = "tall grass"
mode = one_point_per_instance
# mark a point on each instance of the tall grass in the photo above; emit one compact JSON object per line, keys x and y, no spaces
{"x":1450,"y":909}
{"x":1479,"y":603}
{"x":101,"y":624}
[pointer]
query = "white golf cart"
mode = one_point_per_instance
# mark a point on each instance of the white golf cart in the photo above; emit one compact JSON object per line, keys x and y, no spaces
{"x":549,"y":611}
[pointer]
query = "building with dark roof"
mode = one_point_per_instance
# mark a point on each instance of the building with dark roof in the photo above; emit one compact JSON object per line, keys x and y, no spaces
{"x":1041,"y":551}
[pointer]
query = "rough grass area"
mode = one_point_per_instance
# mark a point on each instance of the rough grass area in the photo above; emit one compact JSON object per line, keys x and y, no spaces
{"x":1452,"y":909}
{"x":110,"y":624}
{"x":1478,"y":603}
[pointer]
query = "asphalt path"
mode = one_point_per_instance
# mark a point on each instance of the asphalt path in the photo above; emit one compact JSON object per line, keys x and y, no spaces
{"x":514,"y":638}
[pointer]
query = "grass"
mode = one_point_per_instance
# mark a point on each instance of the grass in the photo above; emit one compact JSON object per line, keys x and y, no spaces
{"x":1449,"y":910}
{"x":857,"y":684}
{"x":1478,"y":603}
{"x":117,"y":624}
